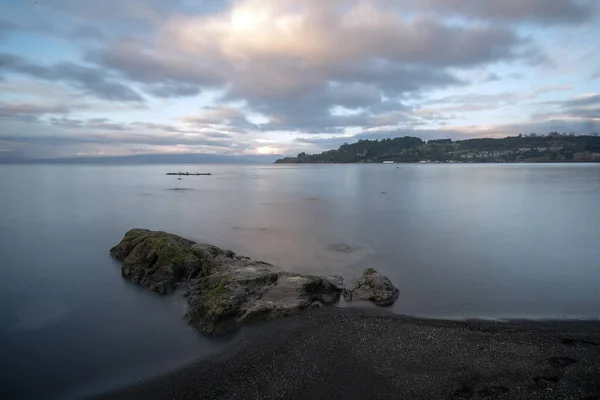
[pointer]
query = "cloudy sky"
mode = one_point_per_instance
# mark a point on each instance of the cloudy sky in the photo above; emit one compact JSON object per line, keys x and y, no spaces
{"x":114,"y":77}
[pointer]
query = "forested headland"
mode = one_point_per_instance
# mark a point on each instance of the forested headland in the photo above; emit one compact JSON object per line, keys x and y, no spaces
{"x":554,"y":147}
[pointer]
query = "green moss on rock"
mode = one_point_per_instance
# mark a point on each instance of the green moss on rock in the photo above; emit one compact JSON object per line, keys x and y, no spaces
{"x":156,"y":259}
{"x":213,"y":309}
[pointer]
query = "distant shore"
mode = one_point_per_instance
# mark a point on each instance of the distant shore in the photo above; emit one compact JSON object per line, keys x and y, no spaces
{"x":445,"y":162}
{"x":554,"y":147}
{"x":333,"y":353}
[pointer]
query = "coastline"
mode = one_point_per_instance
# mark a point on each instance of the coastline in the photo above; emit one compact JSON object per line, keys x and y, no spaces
{"x":445,"y":162}
{"x":370,"y":353}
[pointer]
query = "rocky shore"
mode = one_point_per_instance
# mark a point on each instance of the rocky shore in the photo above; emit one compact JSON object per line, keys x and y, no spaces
{"x":345,"y":353}
{"x":226,"y":290}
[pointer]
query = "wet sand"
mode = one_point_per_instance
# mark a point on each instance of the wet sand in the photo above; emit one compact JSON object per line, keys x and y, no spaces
{"x":334,"y":353}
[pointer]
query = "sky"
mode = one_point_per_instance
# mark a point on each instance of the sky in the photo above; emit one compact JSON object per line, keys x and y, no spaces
{"x":279,"y":77}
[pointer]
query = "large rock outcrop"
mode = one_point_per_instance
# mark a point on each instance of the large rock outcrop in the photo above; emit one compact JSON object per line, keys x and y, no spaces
{"x":156,"y":259}
{"x":224,"y":290}
{"x":373,"y":286}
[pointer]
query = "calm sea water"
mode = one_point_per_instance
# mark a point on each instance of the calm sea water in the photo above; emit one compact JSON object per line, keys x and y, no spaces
{"x":460,"y":241}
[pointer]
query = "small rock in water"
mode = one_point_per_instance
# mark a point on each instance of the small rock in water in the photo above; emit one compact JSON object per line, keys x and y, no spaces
{"x":373,"y":286}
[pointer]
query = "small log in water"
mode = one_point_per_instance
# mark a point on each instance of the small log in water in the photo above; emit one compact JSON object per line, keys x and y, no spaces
{"x":188,"y":174}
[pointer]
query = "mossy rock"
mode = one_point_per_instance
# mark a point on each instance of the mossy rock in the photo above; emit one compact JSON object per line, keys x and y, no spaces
{"x":214,"y":307}
{"x":157,"y":259}
{"x":225,"y":290}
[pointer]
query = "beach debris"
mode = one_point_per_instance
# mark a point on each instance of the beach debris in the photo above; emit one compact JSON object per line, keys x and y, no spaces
{"x":189,"y":174}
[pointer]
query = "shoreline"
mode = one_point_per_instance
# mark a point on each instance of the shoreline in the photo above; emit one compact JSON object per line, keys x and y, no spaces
{"x":442,"y":162}
{"x":358,"y":353}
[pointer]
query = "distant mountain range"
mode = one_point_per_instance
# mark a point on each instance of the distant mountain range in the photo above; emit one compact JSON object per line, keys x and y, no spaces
{"x":152,"y":159}
{"x":554,"y":147}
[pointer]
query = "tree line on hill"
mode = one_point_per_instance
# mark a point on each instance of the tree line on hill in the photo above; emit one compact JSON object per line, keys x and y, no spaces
{"x":553,"y":147}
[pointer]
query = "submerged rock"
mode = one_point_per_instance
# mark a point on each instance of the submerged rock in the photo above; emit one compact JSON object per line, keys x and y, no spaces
{"x":373,"y":286}
{"x":224,"y":290}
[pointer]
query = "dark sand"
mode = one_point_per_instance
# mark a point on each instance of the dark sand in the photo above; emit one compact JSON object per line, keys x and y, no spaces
{"x":334,"y":353}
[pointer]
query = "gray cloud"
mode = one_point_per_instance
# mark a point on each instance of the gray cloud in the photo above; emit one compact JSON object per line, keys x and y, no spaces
{"x":431,"y":42}
{"x":388,"y":106}
{"x":90,"y":80}
{"x":203,"y":129}
{"x":86,"y":32}
{"x":29,"y":112}
{"x":172,"y":90}
{"x":218,"y":135}
{"x":538,"y":11}
{"x":66,"y":122}
{"x":477,"y":102}
{"x":173,"y":74}
{"x":395,"y":62}
{"x":583,"y":101}
{"x":352,"y":87}
{"x":72,"y":30}
{"x":589,"y":114}
{"x":150,"y":12}
{"x":583,"y":113}
{"x":390,"y":53}
{"x":492,"y":77}
{"x":336,"y":58}
{"x":479,"y":99}
{"x":309,"y":114}
{"x":142,"y":12}
{"x":93,"y":123}
{"x":395,"y":79}
{"x":58,"y":139}
{"x":353,"y":95}
{"x":230,"y":118}
{"x":159,"y":127}
{"x":314,"y":111}
{"x":587,"y":109}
